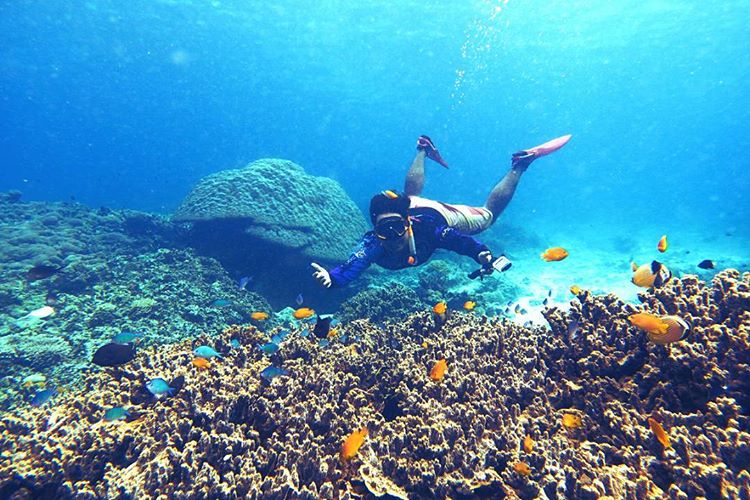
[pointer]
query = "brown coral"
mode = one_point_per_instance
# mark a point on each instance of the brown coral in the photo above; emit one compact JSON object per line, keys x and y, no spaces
{"x":226,"y":434}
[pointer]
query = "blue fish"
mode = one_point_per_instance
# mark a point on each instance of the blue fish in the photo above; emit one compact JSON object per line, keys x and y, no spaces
{"x":159,"y":387}
{"x":304,"y":333}
{"x":42,"y":397}
{"x":269,"y":349}
{"x":221,"y":303}
{"x":324,"y":343}
{"x":127,"y":337}
{"x":244,"y":281}
{"x":300,"y":299}
{"x":207,"y":352}
{"x":276,"y":339}
{"x":116,"y":413}
{"x":272,"y":371}
{"x":234,"y":343}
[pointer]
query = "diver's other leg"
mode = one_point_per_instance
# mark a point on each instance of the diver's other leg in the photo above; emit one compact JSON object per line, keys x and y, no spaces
{"x":502,"y":193}
{"x":415,"y":177}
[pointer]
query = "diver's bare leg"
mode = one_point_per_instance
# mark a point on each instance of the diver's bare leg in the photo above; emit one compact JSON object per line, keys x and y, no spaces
{"x":415,"y":177}
{"x":502,"y":193}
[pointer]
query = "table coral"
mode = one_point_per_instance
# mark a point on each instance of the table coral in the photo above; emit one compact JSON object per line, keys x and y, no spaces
{"x":227,"y":434}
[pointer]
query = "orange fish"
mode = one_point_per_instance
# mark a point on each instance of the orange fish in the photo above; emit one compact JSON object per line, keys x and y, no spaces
{"x":351,"y":444}
{"x":469,"y":305}
{"x":554,"y":254}
{"x":332,"y":333}
{"x":528,"y":444}
{"x":438,"y":370}
{"x":571,"y":421}
{"x":522,"y":468}
{"x":440,"y":308}
{"x":201,"y":363}
{"x":662,"y":245}
{"x":677,"y":329}
{"x":660,"y":433}
{"x":259,"y":315}
{"x":649,"y":322}
{"x":303,"y":313}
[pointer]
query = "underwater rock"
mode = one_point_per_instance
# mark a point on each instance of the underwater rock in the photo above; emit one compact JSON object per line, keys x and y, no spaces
{"x":228,"y":434}
{"x":281,"y":205}
{"x":272,"y":216}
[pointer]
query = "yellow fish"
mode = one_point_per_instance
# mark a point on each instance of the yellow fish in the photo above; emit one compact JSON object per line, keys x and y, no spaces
{"x":660,"y":433}
{"x":303,"y":313}
{"x":528,"y":444}
{"x":649,"y":322}
{"x":575,"y":290}
{"x":333,"y":333}
{"x":651,"y":275}
{"x":469,"y":305}
{"x":351,"y":444}
{"x":438,"y":370}
{"x":571,"y":421}
{"x":662,"y":245}
{"x":425,"y":345}
{"x":522,"y":468}
{"x":677,"y":329}
{"x":554,"y":254}
{"x":259,"y":316}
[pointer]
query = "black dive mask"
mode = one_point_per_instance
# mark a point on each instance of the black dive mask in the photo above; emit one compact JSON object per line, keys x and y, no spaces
{"x":390,"y":228}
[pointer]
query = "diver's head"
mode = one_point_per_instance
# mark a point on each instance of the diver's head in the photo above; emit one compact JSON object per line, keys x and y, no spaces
{"x":389,"y":214}
{"x":388,"y":202}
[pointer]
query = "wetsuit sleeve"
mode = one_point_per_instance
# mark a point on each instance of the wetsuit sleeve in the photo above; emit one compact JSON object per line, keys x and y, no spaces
{"x":456,"y":241}
{"x":364,"y":255}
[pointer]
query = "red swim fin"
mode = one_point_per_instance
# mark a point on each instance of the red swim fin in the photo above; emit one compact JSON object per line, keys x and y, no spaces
{"x":425,"y":144}
{"x":522,"y":159}
{"x":549,"y":146}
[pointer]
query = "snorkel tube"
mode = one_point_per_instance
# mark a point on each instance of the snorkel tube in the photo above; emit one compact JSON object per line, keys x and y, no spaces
{"x":412,"y":260}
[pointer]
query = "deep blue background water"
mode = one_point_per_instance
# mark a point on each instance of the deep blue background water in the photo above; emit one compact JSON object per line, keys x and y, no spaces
{"x":128,"y":104}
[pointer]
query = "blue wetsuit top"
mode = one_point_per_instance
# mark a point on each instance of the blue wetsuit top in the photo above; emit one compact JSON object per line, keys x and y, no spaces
{"x":431,"y":231}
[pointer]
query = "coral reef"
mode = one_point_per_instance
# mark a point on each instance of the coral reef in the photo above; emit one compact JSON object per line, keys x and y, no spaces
{"x":229,"y":434}
{"x":390,"y":302}
{"x":273,"y":216}
{"x":114,"y":277}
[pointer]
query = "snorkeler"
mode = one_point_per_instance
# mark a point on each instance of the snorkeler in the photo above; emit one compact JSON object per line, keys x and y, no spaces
{"x":407,"y":228}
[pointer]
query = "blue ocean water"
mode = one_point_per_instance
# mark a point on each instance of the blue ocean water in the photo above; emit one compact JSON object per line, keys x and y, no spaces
{"x":128,"y":104}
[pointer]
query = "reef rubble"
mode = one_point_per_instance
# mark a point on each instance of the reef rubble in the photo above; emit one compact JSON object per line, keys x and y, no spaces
{"x":229,"y":434}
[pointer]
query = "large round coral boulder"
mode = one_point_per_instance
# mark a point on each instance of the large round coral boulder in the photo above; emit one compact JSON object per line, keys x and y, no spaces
{"x":282,"y":204}
{"x":269,"y":220}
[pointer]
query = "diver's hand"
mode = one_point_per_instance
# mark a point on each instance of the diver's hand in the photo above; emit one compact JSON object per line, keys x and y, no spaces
{"x":484,"y":257}
{"x":320,"y":274}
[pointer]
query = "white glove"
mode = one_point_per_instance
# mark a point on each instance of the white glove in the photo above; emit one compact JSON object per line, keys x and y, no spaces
{"x":320,"y":274}
{"x":484,"y":257}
